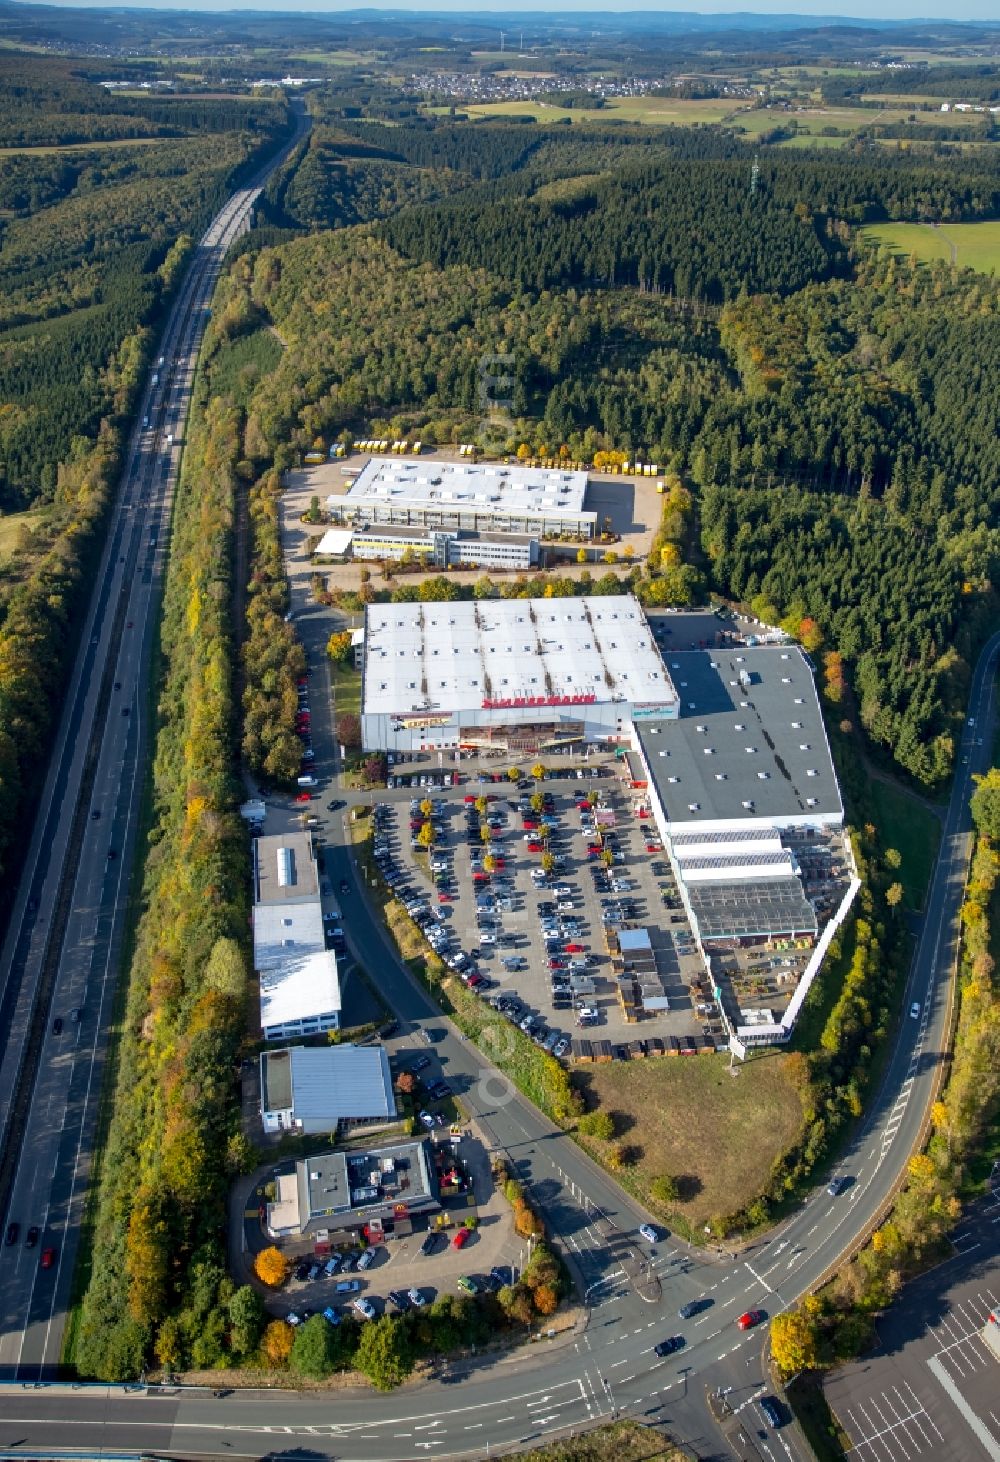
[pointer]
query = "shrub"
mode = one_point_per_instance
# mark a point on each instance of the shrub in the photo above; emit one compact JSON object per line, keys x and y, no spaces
{"x":597,"y":1124}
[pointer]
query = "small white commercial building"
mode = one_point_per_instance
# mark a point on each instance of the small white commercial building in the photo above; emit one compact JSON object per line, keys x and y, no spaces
{"x":299,"y":983}
{"x":313,"y":1088}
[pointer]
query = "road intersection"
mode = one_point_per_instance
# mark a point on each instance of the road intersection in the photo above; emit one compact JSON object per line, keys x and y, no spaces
{"x":544,"y":1390}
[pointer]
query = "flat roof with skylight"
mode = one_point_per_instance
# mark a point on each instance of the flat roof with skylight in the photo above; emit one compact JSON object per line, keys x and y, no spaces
{"x":749,"y":742}
{"x":481,"y":487}
{"x":496,"y":653}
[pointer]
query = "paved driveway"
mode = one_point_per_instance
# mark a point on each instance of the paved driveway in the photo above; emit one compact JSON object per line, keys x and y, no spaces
{"x":932,"y":1389}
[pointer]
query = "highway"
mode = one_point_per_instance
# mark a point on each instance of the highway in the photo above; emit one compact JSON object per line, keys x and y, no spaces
{"x":60,"y":961}
{"x":608,"y":1367}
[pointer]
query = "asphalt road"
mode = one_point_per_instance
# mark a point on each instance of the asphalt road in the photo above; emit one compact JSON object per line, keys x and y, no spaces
{"x":932,"y":1387}
{"x":60,"y":959}
{"x":610,"y":1367}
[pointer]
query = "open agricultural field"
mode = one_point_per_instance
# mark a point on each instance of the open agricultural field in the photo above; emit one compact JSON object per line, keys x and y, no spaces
{"x":721,"y":1159}
{"x":111,"y":144}
{"x":969,"y":245}
{"x":652,"y":110}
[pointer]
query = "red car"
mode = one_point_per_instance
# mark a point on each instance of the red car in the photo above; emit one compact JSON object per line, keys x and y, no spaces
{"x":528,"y":823}
{"x":750,"y":1318}
{"x":574,"y":948}
{"x":653,"y":848}
{"x":461,"y":1238}
{"x":557,"y":964}
{"x":48,"y":1258}
{"x":534,"y":846}
{"x":474,"y":981}
{"x":492,"y":796}
{"x":469,"y":798}
{"x":304,"y":797}
{"x":444,"y":898}
{"x":499,"y":861}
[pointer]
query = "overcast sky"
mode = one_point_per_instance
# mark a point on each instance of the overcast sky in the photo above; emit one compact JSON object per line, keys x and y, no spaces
{"x":846,"y":10}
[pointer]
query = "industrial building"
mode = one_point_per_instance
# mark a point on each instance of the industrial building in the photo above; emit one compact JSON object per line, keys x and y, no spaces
{"x":435,"y":548}
{"x":354,"y":1190}
{"x":742,"y":788}
{"x":313,"y":1089}
{"x":466,"y":498}
{"x":299,"y":983}
{"x":518,"y":675}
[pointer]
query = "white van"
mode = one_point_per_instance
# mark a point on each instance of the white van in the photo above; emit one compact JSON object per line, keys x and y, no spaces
{"x":308,"y":780}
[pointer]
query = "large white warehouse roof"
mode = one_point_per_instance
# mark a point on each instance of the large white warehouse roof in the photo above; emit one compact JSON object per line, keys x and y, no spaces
{"x":478,"y":486}
{"x":496,"y":653}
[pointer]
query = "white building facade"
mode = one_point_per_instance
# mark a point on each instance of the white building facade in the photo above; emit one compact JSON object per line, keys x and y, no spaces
{"x":518,"y":675}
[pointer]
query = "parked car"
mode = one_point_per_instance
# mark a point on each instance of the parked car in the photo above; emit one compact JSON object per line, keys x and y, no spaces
{"x":468,"y":1284}
{"x":416,"y":1297}
{"x":461,"y":1238}
{"x":365,"y":1308}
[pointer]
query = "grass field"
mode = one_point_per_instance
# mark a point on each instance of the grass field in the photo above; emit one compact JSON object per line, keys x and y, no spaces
{"x":905,"y":824}
{"x":652,"y":110}
{"x":347,"y":689}
{"x":10,"y":526}
{"x":625,"y":1441}
{"x":971,"y":245}
{"x":89,"y":146}
{"x":716,"y":1134}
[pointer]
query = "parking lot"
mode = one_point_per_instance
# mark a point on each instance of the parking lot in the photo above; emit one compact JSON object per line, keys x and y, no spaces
{"x":525,"y":890}
{"x":470,"y":1243}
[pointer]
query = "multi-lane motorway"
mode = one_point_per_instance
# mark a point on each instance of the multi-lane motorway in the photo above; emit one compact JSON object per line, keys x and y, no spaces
{"x":60,"y":960}
{"x":608,"y":1365}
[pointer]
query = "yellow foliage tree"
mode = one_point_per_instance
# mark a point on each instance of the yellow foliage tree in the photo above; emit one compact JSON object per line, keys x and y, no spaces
{"x":277,"y":1342}
{"x":271,"y":1267}
{"x":921,"y":1168}
{"x":793,"y":1342}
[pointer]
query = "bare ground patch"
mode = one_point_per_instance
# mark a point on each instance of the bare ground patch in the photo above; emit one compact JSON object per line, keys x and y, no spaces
{"x":716,"y":1134}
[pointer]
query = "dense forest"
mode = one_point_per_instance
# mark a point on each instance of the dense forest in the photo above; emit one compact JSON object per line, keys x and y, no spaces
{"x":838,"y":425}
{"x":94,"y":240}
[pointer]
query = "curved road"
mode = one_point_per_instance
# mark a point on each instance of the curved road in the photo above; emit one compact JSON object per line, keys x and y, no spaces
{"x":609,"y":1367}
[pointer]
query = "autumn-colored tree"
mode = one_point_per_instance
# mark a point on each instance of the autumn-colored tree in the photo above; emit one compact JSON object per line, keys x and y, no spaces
{"x":406,"y":1083}
{"x":271,"y":1266}
{"x":526,"y":1221}
{"x":894,"y":895}
{"x":146,"y":1258}
{"x":545,"y":1299}
{"x":427,"y":807}
{"x":538,"y":772}
{"x":276,"y":1344}
{"x":425,"y":836}
{"x":348,"y":728}
{"x":548,"y":862}
{"x":513,"y":774}
{"x":339,"y":647}
{"x":793,"y":1342}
